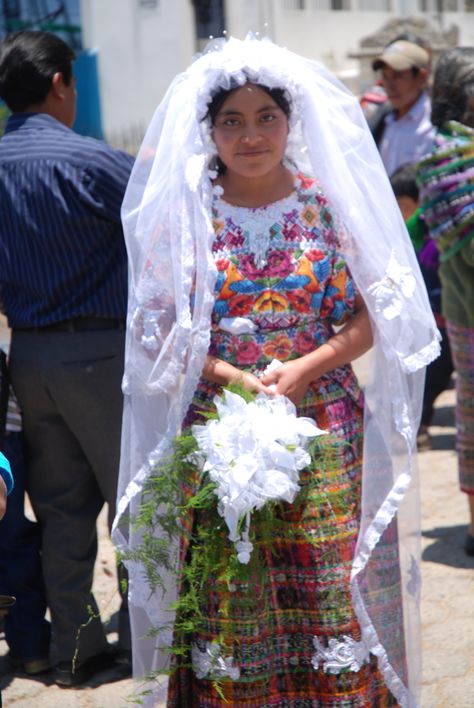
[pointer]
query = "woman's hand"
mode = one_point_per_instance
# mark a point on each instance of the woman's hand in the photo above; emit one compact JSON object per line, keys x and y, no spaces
{"x":291,"y":380}
{"x":293,"y":377}
{"x":250,"y":382}
{"x":223,"y":373}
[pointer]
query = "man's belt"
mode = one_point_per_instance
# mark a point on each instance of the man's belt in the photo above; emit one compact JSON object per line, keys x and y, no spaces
{"x":78,"y":324}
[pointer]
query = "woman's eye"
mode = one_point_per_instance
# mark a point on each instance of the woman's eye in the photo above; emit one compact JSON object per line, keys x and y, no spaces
{"x":268,"y":117}
{"x":230,"y":122}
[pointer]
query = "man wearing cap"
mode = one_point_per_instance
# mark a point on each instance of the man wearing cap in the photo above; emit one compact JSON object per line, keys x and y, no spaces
{"x":403,"y":132}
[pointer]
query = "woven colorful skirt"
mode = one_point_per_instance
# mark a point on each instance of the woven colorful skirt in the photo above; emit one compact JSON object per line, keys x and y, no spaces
{"x":461,"y":340}
{"x":274,"y":640}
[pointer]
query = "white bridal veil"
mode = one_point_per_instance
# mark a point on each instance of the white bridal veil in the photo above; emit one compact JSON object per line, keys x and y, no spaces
{"x":168,"y":230}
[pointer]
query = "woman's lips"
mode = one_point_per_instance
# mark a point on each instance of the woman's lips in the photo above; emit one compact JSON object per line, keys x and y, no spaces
{"x":252,"y":153}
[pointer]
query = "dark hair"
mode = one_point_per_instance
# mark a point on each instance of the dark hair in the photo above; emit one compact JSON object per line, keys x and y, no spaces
{"x":28,"y":62}
{"x":219,"y":98}
{"x":453,"y":85}
{"x":403,"y":182}
{"x":277,"y":94}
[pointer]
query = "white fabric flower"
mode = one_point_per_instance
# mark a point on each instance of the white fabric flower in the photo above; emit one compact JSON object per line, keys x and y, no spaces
{"x":337,"y":656}
{"x":254,"y":452}
{"x":208,"y":662}
{"x":392,"y":291}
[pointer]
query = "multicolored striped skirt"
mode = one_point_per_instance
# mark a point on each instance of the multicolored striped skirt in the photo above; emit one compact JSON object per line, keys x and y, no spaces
{"x":461,"y":340}
{"x":263,"y":634}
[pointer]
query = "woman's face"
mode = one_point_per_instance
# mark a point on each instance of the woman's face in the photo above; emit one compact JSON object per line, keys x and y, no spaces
{"x":250,"y":132}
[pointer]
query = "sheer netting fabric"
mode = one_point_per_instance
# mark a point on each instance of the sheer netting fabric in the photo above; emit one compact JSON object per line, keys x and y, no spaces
{"x":168,"y":231}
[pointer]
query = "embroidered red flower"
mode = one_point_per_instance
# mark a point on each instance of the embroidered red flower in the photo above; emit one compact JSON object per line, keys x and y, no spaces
{"x":240,"y":305}
{"x":248,"y":268}
{"x":306,"y":182}
{"x":300,"y":299}
{"x":303,"y":343}
{"x":248,"y":352}
{"x":315,"y":254}
{"x":279,"y":264}
{"x":222,"y":263}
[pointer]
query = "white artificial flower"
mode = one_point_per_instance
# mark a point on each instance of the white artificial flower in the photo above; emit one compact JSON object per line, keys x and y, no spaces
{"x":347,"y":654}
{"x":397,"y":286}
{"x":253,"y":453}
{"x":209,"y":663}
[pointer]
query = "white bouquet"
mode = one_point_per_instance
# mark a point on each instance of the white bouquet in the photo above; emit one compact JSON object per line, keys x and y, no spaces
{"x":253,"y":452}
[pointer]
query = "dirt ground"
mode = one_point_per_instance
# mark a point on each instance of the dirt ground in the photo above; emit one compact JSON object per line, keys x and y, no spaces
{"x":447,"y":607}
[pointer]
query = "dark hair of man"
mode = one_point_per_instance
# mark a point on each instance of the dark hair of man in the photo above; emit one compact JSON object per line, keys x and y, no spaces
{"x":219,"y":98}
{"x":28,"y":62}
{"x":403,"y":182}
{"x":453,"y":85}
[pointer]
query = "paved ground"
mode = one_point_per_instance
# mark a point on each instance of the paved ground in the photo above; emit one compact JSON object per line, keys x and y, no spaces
{"x":447,"y":612}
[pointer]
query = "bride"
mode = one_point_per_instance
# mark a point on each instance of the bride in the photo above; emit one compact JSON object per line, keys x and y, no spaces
{"x":260,"y":226}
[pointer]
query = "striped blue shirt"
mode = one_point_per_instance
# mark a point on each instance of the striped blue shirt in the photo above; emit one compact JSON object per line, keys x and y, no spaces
{"x":62,"y":252}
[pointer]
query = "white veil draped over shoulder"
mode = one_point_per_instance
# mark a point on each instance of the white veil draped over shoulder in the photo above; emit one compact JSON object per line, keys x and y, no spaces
{"x":168,"y":231}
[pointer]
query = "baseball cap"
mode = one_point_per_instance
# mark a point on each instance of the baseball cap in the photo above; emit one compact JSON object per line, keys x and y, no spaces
{"x":402,"y":55}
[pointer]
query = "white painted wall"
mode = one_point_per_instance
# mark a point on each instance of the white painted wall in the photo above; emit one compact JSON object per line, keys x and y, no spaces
{"x":140,"y":50}
{"x":325,"y":35}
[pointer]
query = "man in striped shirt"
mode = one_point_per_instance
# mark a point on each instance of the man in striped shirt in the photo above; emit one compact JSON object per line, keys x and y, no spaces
{"x":63,"y":272}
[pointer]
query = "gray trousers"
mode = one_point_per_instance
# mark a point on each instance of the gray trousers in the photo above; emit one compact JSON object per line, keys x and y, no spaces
{"x":68,"y":386}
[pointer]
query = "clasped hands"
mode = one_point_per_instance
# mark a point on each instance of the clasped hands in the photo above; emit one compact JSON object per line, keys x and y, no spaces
{"x":290,"y":379}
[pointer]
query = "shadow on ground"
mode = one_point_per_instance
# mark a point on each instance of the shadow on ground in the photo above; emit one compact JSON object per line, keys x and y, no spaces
{"x":448,"y":547}
{"x":445,"y":441}
{"x":443,"y":416}
{"x":119,"y":672}
{"x":7,"y":674}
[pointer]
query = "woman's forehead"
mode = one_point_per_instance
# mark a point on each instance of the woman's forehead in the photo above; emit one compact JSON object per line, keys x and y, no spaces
{"x":249,"y":95}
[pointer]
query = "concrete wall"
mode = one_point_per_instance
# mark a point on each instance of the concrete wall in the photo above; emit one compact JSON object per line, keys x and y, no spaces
{"x":143,"y":44}
{"x":325,"y":35}
{"x":140,"y":49}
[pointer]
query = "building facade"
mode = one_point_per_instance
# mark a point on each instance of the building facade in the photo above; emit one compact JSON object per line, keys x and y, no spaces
{"x":138,"y":46}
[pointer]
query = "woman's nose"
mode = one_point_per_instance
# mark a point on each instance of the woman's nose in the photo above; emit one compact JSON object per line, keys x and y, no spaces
{"x":250,"y":135}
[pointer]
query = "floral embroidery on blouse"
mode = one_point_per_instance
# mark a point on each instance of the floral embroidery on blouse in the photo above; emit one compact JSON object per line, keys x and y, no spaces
{"x":280,"y":267}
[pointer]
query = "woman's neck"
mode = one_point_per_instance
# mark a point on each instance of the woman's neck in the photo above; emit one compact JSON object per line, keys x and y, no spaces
{"x":256,"y":191}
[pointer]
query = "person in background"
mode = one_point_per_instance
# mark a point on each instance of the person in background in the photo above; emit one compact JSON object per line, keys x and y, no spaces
{"x":402,"y":127}
{"x":438,"y":373}
{"x":373,"y":100}
{"x":447,"y":208}
{"x":63,"y":278}
{"x":27,"y":632}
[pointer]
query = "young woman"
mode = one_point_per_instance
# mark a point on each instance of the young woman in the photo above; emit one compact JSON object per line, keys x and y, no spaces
{"x":261,"y":226}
